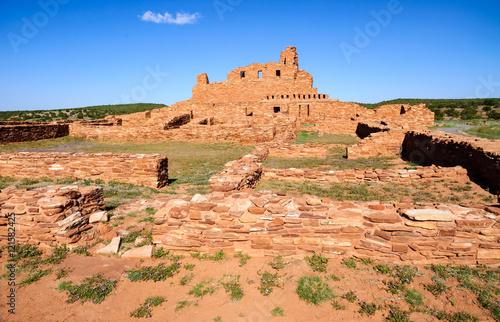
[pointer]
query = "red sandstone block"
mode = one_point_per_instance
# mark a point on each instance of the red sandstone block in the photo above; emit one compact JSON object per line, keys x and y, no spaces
{"x":400,"y":248}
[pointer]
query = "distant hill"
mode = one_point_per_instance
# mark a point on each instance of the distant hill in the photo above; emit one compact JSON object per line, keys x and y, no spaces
{"x":81,"y":113}
{"x":466,"y":109}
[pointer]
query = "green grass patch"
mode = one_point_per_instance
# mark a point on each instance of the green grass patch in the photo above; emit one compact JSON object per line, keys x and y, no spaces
{"x":203,"y":288}
{"x":304,"y":137}
{"x":313,"y":290}
{"x":491,"y":132}
{"x":218,"y":256}
{"x":243,"y":258}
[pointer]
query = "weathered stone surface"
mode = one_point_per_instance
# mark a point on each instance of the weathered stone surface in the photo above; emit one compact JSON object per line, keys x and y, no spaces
{"x":111,"y":248}
{"x":140,"y":252}
{"x":179,"y":212}
{"x":380,"y":217}
{"x":101,"y":216}
{"x":429,"y":215}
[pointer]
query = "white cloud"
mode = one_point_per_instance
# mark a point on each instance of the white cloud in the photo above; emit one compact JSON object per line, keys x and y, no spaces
{"x":180,"y":18}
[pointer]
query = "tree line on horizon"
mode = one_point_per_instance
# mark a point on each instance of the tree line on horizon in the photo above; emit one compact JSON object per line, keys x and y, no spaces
{"x":465,"y":109}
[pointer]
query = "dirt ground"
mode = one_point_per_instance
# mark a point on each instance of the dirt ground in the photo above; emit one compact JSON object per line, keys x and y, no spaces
{"x":41,"y":301}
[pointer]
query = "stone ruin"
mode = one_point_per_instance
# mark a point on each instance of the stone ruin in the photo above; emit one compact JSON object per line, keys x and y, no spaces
{"x":266,"y":105}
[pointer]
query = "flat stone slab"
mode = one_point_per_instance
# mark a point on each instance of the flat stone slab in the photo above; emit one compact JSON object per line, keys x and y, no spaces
{"x":112,"y":248}
{"x":429,"y":215}
{"x":139,"y":252}
{"x":101,"y":216}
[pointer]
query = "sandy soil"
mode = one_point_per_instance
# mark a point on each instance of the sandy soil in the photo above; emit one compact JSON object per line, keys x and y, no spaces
{"x":41,"y":301}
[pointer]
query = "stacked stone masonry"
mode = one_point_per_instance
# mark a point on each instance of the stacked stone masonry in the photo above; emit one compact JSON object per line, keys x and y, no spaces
{"x":10,"y":133}
{"x":363,"y":175}
{"x":265,"y":223}
{"x":150,"y":170}
{"x":253,"y":105}
{"x":55,"y":214}
{"x":481,"y":157}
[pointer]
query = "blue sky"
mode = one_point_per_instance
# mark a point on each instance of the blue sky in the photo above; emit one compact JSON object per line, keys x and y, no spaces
{"x":75,"y":53}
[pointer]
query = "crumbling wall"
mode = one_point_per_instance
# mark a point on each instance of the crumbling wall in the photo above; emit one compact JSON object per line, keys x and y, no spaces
{"x":264,"y":223}
{"x":141,"y":169}
{"x":32,"y":132}
{"x":55,"y":214}
{"x":480,"y":157}
{"x":177,"y":121}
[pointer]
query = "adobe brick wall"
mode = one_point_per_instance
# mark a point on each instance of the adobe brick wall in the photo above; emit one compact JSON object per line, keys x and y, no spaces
{"x":141,"y":169}
{"x":481,"y":157}
{"x":55,"y":214}
{"x":31,"y":132}
{"x":264,"y":223}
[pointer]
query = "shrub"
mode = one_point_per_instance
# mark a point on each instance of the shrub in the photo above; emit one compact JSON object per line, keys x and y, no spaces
{"x":267,"y":282}
{"x":94,"y":289}
{"x":317,"y":262}
{"x":144,"y":311}
{"x":314,"y":290}
{"x":155,"y":273}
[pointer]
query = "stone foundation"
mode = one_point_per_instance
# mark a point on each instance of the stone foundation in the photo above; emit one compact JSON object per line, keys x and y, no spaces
{"x":141,"y":169}
{"x":364,"y":175}
{"x":264,"y":223}
{"x":25,"y":132}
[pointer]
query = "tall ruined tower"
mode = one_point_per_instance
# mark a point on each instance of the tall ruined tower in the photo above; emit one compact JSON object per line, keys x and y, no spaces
{"x":289,"y":58}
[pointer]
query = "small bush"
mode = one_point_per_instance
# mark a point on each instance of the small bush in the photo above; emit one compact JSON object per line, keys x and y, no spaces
{"x":161,"y":253}
{"x":144,"y":311}
{"x":350,"y":296}
{"x":368,"y":308}
{"x":267,"y":282}
{"x":186,"y":279}
{"x":437,"y":288}
{"x":398,"y":315}
{"x":277,"y":311}
{"x":155,"y":273}
{"x":94,"y":289}
{"x":59,"y":253}
{"x":203,"y":288}
{"x":35,"y":276}
{"x":82,"y":250}
{"x":314,"y":290}
{"x":317,"y":262}
{"x":414,"y":297}
{"x":243,"y":258}
{"x":277,"y":263}
{"x":189,"y":267}
{"x":349,"y":262}
{"x":231,"y":285}
{"x":62,"y":273}
{"x":337,"y":306}
{"x":218,"y":256}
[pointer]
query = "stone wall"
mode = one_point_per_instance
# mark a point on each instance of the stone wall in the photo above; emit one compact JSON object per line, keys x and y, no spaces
{"x":481,"y":157}
{"x":31,"y":132}
{"x":386,"y":143}
{"x":55,"y":214}
{"x":265,"y":223}
{"x":141,"y":169}
{"x":364,"y":175}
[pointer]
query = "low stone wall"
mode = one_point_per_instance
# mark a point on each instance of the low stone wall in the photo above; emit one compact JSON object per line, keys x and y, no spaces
{"x":141,"y":169}
{"x":32,"y":132}
{"x":55,"y":214}
{"x":264,"y":223}
{"x":362,"y":175}
{"x":481,"y":157}
{"x":384,"y":143}
{"x":245,"y":172}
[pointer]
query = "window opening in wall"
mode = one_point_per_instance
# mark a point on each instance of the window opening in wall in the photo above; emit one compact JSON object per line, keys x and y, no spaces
{"x":242,"y":74}
{"x":281,"y":96}
{"x":277,"y":109}
{"x":309,"y":96}
{"x":278,"y":73}
{"x":307,"y":110}
{"x":288,"y":96}
{"x":260,"y":74}
{"x":293,"y":95}
{"x":284,"y":61}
